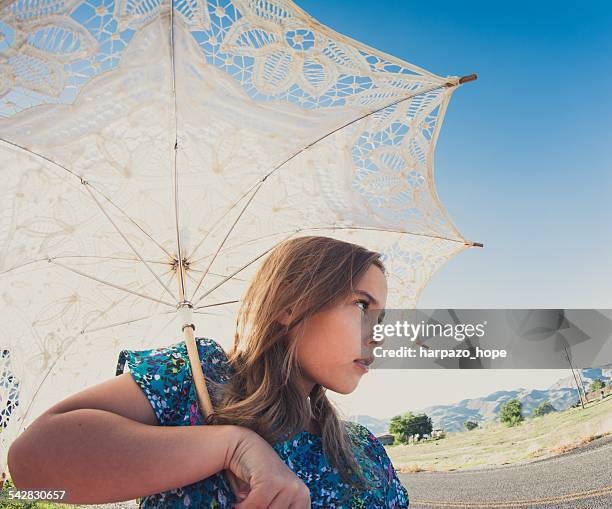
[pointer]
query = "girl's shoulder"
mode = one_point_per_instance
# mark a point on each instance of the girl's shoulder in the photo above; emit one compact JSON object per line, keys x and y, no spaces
{"x":360,"y":433}
{"x":373,"y":457}
{"x":215,"y":363}
{"x":369,"y":448}
{"x":164,"y":374}
{"x":173,"y":359}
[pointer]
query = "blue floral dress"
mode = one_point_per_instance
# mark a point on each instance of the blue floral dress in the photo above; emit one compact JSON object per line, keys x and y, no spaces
{"x":164,"y":374}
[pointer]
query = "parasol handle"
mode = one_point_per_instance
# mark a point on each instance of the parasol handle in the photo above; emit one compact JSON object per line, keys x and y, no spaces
{"x":194,"y":360}
{"x":198,"y":377}
{"x":185,"y":309}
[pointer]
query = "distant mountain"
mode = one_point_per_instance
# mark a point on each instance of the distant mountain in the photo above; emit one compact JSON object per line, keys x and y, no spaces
{"x":562,"y":394}
{"x":376,"y":426}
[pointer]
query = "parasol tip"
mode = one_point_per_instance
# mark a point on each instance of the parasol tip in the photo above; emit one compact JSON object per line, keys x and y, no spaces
{"x":464,"y":79}
{"x":469,"y":77}
{"x":474,"y":244}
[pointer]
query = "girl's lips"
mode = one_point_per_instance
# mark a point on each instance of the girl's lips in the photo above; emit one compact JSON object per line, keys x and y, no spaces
{"x":362,"y":365}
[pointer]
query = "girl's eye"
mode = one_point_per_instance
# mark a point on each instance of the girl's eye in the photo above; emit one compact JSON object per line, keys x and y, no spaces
{"x":365,"y":302}
{"x":366,"y":306}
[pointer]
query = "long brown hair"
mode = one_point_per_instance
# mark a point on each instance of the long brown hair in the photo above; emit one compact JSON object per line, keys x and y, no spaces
{"x":306,"y":274}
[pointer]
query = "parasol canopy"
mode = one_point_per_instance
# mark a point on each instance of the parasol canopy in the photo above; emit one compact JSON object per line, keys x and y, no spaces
{"x":153,"y":151}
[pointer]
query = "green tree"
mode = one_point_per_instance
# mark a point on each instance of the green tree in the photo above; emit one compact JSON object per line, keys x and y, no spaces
{"x":470,"y":425}
{"x":511,"y":412}
{"x":597,"y":385}
{"x":408,"y":425}
{"x":423,"y":425}
{"x":399,"y":428}
{"x":544,"y":408}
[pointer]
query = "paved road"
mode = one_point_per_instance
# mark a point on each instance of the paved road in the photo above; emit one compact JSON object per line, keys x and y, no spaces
{"x":581,"y":479}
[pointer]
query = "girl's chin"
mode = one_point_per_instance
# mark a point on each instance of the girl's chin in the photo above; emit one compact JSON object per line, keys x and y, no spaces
{"x":349,"y":381}
{"x":347,"y":387}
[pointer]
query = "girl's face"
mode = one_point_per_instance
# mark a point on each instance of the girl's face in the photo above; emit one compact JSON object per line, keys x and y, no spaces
{"x":332,"y":340}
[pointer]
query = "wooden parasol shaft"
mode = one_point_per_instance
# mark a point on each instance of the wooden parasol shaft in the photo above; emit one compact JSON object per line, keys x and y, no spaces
{"x":188,"y":328}
{"x":196,"y":370}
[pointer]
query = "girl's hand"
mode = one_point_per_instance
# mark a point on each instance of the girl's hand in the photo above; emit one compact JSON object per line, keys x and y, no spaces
{"x":260,"y":479}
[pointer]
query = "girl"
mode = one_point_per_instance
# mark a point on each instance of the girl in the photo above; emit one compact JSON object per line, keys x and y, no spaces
{"x":304,"y":327}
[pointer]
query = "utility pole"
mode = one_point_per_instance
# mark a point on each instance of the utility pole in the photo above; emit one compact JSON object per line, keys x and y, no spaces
{"x":575,"y":379}
{"x":582,"y":385}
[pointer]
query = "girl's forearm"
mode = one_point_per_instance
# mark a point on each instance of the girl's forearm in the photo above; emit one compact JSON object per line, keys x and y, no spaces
{"x":100,"y":457}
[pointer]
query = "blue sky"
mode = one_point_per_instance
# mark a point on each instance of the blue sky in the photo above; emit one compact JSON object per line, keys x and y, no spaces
{"x":523,"y":159}
{"x":522,"y":164}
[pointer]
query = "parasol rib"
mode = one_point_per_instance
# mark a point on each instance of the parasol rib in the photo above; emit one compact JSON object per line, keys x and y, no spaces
{"x":214,"y":274}
{"x":118,"y":287}
{"x":217,"y":304}
{"x":46,"y":259}
{"x":222,"y":243}
{"x":180,"y":270}
{"x":227,"y":278}
{"x":120,"y":300}
{"x":87,"y":183}
{"x":462,"y":241}
{"x":116,"y":324}
{"x":233,"y":246}
{"x":50,"y":370}
{"x":467,"y":243}
{"x":129,"y":243}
